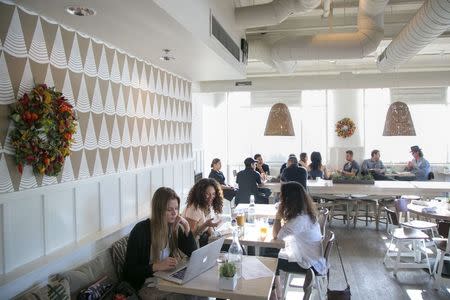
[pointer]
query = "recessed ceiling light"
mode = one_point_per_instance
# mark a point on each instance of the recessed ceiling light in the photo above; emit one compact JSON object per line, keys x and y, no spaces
{"x":166,"y":56}
{"x":80,"y":11}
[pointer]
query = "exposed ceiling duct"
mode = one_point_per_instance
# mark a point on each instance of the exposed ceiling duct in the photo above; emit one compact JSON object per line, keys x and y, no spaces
{"x":272,"y":13}
{"x":432,"y":19}
{"x":359,"y":44}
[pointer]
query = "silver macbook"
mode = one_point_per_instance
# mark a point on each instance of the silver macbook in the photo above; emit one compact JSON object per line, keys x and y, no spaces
{"x":201,"y":260}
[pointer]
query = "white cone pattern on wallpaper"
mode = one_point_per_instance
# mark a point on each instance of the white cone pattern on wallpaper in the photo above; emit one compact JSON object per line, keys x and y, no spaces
{"x":103,"y":68}
{"x":135,"y":140}
{"x":126,"y":142}
{"x":131,"y":112}
{"x":75,"y":64}
{"x":6,"y":89}
{"x":49,"y":77}
{"x":110,"y":169}
{"x":27,"y":83}
{"x":144,"y":80}
{"x":77,"y":143}
{"x":139,"y":108}
{"x":98,"y":169}
{"x":109,"y":103}
{"x":28,"y":180}
{"x":6,"y":185}
{"x":120,"y":108}
{"x":90,"y":67}
{"x":121,"y":164}
{"x":49,"y":180}
{"x":97,"y":103}
{"x":84,"y":168}
{"x":58,"y":56}
{"x":103,"y":139}
{"x":67,"y":90}
{"x":115,"y":135}
{"x":38,"y":49}
{"x":135,"y":75}
{"x":90,"y":142}
{"x":67,"y":172}
{"x":125,"y":73}
{"x":115,"y":72}
{"x":83,"y":104}
{"x":14,"y":42}
{"x":125,"y":106}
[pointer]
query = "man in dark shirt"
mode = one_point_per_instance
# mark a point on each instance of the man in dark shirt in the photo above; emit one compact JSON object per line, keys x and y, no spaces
{"x":261,"y":167}
{"x":294,"y":172}
{"x":351,"y":167}
{"x":248,"y":181}
{"x":283,"y":166}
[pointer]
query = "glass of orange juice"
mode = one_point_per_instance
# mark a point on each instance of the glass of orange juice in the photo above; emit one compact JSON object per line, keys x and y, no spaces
{"x":263,"y":229}
{"x":240,"y":219}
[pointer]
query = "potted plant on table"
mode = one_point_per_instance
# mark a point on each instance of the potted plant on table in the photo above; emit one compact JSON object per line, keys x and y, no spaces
{"x":227,"y":279}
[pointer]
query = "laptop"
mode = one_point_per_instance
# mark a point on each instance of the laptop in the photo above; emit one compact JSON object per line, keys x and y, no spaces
{"x":201,"y":260}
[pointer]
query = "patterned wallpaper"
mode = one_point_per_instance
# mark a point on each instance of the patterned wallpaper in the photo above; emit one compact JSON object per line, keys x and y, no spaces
{"x":131,"y":114}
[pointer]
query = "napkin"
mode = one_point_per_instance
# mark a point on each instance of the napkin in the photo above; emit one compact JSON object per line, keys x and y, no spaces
{"x":429,"y":209}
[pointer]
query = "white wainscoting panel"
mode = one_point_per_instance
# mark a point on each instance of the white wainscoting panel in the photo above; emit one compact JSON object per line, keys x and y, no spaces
{"x":168,"y":176}
{"x":110,"y":201}
{"x":178,"y":180}
{"x":24,"y":231}
{"x":128,"y":194}
{"x":144,"y":193}
{"x":87,"y":209}
{"x":59,"y":212}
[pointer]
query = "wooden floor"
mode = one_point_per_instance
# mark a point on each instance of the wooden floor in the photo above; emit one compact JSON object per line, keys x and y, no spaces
{"x":362,"y":251}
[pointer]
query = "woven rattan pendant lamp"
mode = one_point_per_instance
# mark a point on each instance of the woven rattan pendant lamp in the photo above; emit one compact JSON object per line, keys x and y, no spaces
{"x":279,"y":121}
{"x":398,"y":121}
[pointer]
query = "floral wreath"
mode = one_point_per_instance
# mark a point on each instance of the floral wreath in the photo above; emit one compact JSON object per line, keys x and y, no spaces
{"x":345,"y":128}
{"x":44,"y":124}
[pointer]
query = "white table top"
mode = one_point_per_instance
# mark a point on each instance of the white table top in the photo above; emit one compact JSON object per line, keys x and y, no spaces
{"x":207,"y":284}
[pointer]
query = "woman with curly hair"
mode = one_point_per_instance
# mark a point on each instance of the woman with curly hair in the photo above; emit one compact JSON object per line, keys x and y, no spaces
{"x":300,"y":233}
{"x":204,"y":200}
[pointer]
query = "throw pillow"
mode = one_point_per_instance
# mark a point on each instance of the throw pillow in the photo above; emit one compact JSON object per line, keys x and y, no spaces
{"x":97,"y":290}
{"x":118,"y":252}
{"x":54,"y":290}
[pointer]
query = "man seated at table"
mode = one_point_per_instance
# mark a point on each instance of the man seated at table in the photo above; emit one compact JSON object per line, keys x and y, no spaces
{"x":294,"y":172}
{"x":351,"y":167}
{"x":283,"y":166}
{"x":248,"y":181}
{"x":374,"y":166}
{"x":418,"y":165}
{"x":261,"y":167}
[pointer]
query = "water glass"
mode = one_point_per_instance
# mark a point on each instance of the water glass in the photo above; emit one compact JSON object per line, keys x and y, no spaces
{"x":221,"y":259}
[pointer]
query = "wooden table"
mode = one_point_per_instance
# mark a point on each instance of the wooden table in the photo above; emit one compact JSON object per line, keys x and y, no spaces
{"x":382,"y":188}
{"x":206,"y":284}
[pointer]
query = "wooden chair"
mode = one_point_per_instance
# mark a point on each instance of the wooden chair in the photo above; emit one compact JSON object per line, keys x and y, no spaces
{"x":403,"y":237}
{"x":443,"y":252}
{"x":307,"y":284}
{"x":323,"y":220}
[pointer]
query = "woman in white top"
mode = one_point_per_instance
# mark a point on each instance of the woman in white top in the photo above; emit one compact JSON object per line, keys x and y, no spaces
{"x":300,"y":233}
{"x":204,"y":200}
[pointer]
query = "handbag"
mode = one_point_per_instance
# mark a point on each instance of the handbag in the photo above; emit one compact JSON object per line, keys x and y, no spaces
{"x":337,"y":294}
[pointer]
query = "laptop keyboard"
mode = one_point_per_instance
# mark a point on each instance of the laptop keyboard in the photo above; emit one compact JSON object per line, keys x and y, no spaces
{"x":179,"y":274}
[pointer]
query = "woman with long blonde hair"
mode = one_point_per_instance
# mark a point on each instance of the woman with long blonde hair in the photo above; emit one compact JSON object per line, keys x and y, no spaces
{"x":157,"y":244}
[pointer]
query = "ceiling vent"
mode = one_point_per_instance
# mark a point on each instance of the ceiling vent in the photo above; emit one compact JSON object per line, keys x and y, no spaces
{"x":224,"y":38}
{"x":432,"y":95}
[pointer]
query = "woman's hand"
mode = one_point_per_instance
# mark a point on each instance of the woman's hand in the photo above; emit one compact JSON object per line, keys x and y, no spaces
{"x":167,"y":264}
{"x":211,"y":223}
{"x":183,"y":223}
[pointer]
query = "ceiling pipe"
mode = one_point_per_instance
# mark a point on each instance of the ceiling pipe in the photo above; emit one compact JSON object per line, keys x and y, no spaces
{"x":330,"y":45}
{"x":432,"y":19}
{"x":272,"y":13}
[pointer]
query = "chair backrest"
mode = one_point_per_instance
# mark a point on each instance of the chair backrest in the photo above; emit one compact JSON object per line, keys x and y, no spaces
{"x":329,"y":242}
{"x":323,"y":219}
{"x":430,"y":176}
{"x":401,"y":205}
{"x":392,"y":217}
{"x":443,"y":228}
{"x":308,"y":284}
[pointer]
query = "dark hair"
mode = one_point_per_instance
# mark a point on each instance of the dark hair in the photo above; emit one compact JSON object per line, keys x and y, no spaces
{"x":374,"y":152}
{"x":316,"y":161}
{"x":197,"y":198}
{"x":214,"y":161}
{"x":349,"y":152}
{"x":420,"y":153}
{"x":303,"y":155}
{"x":295,"y":201}
{"x":257,"y":155}
{"x":293,"y":160}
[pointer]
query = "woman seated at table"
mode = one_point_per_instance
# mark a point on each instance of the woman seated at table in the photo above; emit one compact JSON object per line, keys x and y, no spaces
{"x":229,"y":192}
{"x":158,"y":244}
{"x":316,"y":169}
{"x":205,"y":199}
{"x":300,"y":233}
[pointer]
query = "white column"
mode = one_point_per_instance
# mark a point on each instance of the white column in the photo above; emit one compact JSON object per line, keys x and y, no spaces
{"x":345,"y":104}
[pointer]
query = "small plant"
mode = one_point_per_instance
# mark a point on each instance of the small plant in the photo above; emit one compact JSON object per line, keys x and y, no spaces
{"x":228,"y":269}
